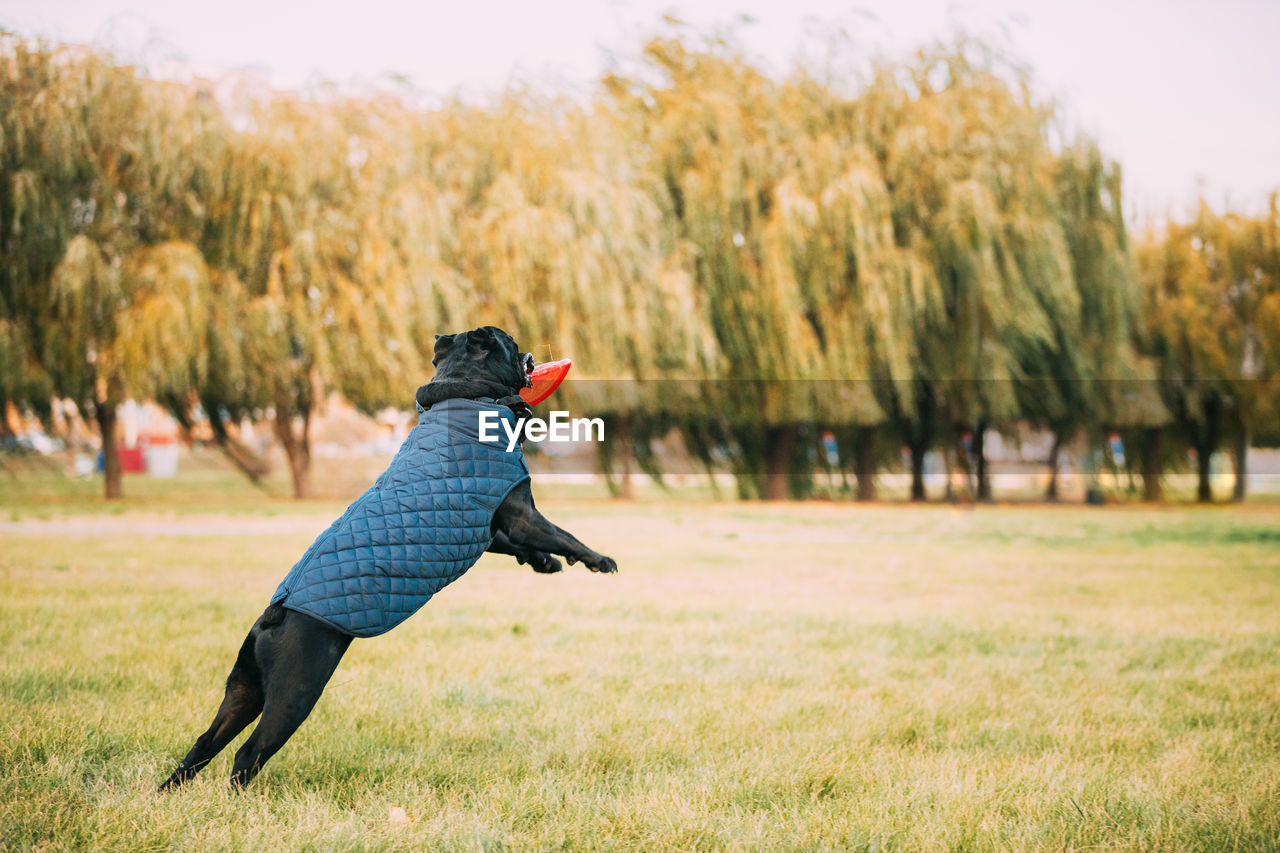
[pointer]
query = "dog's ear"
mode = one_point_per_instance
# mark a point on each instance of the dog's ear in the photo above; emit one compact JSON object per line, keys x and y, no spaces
{"x":443,"y":344}
{"x":482,"y":338}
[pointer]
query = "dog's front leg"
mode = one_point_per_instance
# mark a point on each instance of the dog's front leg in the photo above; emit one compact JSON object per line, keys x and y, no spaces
{"x":540,"y":561}
{"x":527,"y":528}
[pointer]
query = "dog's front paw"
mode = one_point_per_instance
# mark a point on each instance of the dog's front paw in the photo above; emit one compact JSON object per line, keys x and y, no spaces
{"x":549,"y":565}
{"x":601,"y":563}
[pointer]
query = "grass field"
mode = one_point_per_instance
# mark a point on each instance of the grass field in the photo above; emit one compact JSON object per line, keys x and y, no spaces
{"x":810,"y":677}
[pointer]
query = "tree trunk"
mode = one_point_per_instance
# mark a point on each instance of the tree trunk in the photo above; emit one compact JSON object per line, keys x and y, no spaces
{"x":297,"y":449}
{"x":1207,"y":439}
{"x":239,"y":454}
{"x":1241,"y":458}
{"x":778,"y":443}
{"x":1051,"y":492}
{"x":250,"y":464}
{"x":626,"y":450}
{"x":919,"y":434}
{"x":865,"y":463}
{"x":949,"y":465}
{"x":6,"y":411}
{"x":980,"y":451}
{"x":1151,"y":489}
{"x":917,"y":472}
{"x":246,"y":461}
{"x":1204,"y":494}
{"x":112,"y":473}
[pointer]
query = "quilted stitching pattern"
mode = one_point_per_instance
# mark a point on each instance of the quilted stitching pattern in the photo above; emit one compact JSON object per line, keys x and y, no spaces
{"x":418,"y":528}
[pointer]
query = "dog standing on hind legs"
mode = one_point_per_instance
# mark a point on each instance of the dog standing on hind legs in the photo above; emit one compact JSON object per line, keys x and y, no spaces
{"x":282,"y":668}
{"x":386,"y":556}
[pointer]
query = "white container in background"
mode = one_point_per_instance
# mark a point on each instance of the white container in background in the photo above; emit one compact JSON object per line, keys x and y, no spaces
{"x":83,"y":466}
{"x":162,"y":459}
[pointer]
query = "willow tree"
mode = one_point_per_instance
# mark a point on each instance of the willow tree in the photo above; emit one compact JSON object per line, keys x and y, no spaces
{"x":95,"y":202}
{"x":634,"y":315}
{"x":1251,"y":265}
{"x":23,"y":382}
{"x":40,"y":171}
{"x":547,"y":228}
{"x":309,"y":295}
{"x":1207,"y":283}
{"x":118,"y":330}
{"x":415,"y":188}
{"x":1267,"y":242}
{"x":856,"y":282}
{"x":1090,"y":375}
{"x":962,"y":147}
{"x":788,"y":222}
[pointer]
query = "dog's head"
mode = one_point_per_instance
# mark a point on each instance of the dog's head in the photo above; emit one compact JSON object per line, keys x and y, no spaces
{"x":486,"y":354}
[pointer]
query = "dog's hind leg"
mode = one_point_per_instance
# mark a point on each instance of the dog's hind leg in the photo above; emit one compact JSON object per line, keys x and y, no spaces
{"x":240,"y":705}
{"x":297,"y":660}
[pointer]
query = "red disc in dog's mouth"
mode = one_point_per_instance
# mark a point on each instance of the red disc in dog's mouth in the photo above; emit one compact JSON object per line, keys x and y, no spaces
{"x":546,"y":378}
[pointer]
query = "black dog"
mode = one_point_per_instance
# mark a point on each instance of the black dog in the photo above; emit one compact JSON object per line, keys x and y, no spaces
{"x":290,"y":654}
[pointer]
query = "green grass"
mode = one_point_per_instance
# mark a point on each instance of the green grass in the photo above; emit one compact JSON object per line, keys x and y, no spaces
{"x":815,"y":677}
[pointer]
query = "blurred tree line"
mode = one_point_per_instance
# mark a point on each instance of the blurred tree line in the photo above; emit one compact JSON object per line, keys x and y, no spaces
{"x":909,"y":263}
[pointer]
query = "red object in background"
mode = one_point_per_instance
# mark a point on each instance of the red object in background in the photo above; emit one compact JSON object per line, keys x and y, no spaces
{"x":546,"y":379}
{"x":131,"y":461}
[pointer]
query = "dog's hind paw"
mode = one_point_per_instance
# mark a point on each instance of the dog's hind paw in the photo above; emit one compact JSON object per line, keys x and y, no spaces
{"x":175,"y":781}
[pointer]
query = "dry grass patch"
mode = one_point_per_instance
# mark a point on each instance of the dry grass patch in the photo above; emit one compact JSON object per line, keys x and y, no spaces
{"x":757,"y":677}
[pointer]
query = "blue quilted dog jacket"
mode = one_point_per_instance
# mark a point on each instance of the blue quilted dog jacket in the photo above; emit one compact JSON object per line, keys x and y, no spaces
{"x":418,"y":528}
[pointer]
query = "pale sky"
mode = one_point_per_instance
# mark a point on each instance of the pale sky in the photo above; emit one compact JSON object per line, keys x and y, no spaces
{"x":1186,"y":95}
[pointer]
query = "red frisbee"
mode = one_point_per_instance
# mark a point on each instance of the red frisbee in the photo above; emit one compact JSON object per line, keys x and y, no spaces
{"x":546,"y":378}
